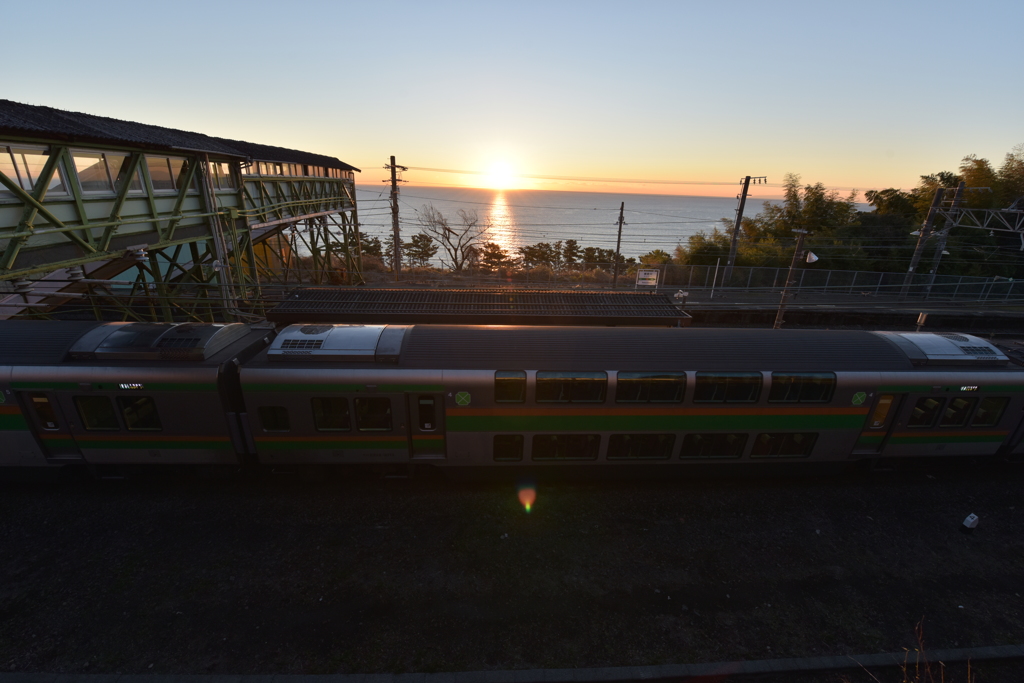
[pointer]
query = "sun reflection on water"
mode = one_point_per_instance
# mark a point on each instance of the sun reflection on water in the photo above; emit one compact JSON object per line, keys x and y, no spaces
{"x":501,"y":223}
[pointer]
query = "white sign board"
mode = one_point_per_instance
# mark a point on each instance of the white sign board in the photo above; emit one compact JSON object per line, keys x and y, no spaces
{"x":647,"y":278}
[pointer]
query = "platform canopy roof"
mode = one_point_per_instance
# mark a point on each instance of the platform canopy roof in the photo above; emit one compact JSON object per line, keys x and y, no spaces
{"x":74,"y":127}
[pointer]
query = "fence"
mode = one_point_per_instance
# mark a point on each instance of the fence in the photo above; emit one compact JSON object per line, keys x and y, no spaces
{"x":747,"y":280}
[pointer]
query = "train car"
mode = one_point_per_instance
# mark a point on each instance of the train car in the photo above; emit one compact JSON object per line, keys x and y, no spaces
{"x":122,"y":393}
{"x":495,"y":396}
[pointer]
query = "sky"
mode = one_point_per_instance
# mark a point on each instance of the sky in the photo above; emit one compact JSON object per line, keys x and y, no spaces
{"x":854,"y":95}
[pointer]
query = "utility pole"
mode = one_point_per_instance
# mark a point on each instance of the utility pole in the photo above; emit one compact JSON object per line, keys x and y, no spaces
{"x":797,"y":255}
{"x":736,"y":226}
{"x":397,"y":239}
{"x":922,"y":237}
{"x":944,"y":235}
{"x":618,"y":243}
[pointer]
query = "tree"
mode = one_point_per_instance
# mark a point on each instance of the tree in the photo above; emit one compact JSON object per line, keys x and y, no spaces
{"x":460,"y":242}
{"x":370,"y":245}
{"x":658,"y":257}
{"x":540,"y":254}
{"x":493,"y":257}
{"x":420,"y":249}
{"x":1011,"y":176}
{"x":571,"y":253}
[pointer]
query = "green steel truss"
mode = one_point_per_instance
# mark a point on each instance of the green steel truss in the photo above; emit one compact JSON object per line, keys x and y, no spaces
{"x":204,"y":250}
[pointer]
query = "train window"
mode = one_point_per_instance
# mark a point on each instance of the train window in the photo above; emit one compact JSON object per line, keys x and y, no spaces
{"x":957,"y":411}
{"x":274,"y":419}
{"x":783,"y":445}
{"x":650,"y":387}
{"x":990,"y":411}
{"x":44,"y":411}
{"x":508,"y":447}
{"x":802,"y":387}
{"x":727,"y":387}
{"x":571,"y":387}
{"x":139,"y":413}
{"x":713,"y":445}
{"x":331,"y":414}
{"x":881,"y":411}
{"x":428,"y":418}
{"x":640,"y":446}
{"x":97,"y":413}
{"x":566,"y":446}
{"x":925,"y":411}
{"x":509,"y":386}
{"x":373,"y":414}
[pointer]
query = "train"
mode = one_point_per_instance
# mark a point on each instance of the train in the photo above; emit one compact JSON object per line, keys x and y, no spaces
{"x":463,"y":397}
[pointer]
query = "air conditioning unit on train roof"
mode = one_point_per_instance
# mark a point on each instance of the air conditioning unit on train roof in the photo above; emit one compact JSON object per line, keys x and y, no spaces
{"x":348,"y":343}
{"x":951,"y":349}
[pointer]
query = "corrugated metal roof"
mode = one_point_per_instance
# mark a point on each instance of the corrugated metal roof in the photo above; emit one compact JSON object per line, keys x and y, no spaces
{"x":34,"y":120}
{"x":477,"y":306}
{"x":624,"y":348}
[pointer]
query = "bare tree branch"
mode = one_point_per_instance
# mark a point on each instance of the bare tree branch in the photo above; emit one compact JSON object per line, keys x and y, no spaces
{"x":459,"y":243}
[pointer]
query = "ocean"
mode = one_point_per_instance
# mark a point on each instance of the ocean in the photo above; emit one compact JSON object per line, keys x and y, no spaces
{"x":516,"y":218}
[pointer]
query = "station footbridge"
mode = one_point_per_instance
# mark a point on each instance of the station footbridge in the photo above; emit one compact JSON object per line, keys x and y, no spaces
{"x":137,"y":221}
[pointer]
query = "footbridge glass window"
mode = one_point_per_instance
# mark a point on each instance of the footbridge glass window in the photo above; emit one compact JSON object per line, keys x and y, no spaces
{"x":650,"y":387}
{"x":727,"y":387}
{"x":990,"y":411}
{"x":221,"y":173}
{"x":925,"y":411}
{"x":640,"y":446}
{"x":713,"y":446}
{"x":958,"y":410}
{"x":783,"y":445}
{"x":331,"y":414}
{"x":97,"y":413}
{"x":373,"y":414}
{"x":566,"y":446}
{"x":510,"y":386}
{"x":7,"y":168}
{"x":93,"y":172}
{"x":571,"y":387}
{"x":139,"y":413}
{"x":802,"y":387}
{"x":159,"y":173}
{"x":119,"y":165}
{"x":27,"y":165}
{"x":508,"y":447}
{"x":274,"y":419}
{"x":167,"y":173}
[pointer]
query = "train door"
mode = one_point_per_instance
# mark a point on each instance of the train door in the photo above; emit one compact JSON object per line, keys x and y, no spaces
{"x":879,"y":424}
{"x":50,"y":425}
{"x":426,"y":426}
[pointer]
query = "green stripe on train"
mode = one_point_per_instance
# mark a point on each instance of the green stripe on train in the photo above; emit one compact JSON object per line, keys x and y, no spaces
{"x":938,"y":438}
{"x":906,"y":388}
{"x":13,"y":423}
{"x":340,"y":444}
{"x":649,"y":423}
{"x":113,"y":386}
{"x":143,"y":445}
{"x":343,"y":388}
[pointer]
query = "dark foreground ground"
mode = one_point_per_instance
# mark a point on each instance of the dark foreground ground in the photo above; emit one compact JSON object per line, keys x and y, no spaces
{"x":329,"y":573}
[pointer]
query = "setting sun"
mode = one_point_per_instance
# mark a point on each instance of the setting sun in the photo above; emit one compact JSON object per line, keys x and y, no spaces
{"x":499,"y":177}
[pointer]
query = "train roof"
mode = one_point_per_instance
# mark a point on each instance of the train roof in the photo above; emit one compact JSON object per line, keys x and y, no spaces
{"x":48,"y":342}
{"x":624,"y":348}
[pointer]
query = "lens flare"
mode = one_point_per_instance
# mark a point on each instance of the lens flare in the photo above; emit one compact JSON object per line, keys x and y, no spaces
{"x":527,"y":496}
